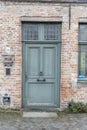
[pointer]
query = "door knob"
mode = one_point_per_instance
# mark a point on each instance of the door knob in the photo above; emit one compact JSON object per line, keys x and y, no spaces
{"x":44,"y":80}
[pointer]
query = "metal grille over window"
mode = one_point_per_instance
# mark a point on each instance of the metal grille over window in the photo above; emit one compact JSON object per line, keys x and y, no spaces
{"x":51,"y":32}
{"x":30,"y":31}
{"x":41,"y":31}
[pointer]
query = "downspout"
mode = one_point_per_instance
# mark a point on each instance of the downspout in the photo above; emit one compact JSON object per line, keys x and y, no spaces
{"x":69,"y":16}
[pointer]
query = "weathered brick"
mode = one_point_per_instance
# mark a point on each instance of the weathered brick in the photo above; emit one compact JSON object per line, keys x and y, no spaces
{"x":11,"y":35}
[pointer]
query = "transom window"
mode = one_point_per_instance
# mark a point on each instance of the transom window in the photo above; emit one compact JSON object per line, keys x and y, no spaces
{"x":82,"y":51}
{"x":41,"y":31}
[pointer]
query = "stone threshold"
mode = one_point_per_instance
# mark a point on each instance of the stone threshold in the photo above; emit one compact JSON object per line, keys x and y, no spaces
{"x":40,"y":114}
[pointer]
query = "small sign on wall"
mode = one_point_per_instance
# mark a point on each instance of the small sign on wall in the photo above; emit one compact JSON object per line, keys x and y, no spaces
{"x":8,"y":50}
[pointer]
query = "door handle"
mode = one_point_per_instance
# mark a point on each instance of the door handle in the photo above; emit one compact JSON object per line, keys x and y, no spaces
{"x":26,"y":76}
{"x":44,"y":80}
{"x":41,"y":80}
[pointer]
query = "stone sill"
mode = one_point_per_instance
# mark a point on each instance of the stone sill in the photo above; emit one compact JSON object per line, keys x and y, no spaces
{"x":82,"y":83}
{"x":82,"y":80}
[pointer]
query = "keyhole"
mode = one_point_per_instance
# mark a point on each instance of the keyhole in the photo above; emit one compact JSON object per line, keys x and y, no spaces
{"x":41,"y":73}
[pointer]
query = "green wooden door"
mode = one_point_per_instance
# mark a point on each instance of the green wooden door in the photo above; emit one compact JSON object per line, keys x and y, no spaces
{"x":41,"y":69}
{"x":41,"y":64}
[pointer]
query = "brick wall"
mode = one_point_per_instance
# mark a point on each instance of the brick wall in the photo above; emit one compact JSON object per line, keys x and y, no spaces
{"x":10,"y":35}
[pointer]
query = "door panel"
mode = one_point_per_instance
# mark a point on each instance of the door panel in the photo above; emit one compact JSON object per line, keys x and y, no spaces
{"x":49,"y":61}
{"x":41,"y":82}
{"x":38,"y":94}
{"x":33,"y":61}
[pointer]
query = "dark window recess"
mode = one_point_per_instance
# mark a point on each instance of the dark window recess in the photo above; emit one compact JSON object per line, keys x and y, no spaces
{"x":8,"y":71}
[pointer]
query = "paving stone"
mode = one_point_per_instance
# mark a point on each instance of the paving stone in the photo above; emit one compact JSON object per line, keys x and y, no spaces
{"x":65,"y":122}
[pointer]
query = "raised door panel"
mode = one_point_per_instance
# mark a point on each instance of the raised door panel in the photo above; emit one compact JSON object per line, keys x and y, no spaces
{"x":40,"y":94}
{"x":49,"y":61}
{"x":33,"y":61}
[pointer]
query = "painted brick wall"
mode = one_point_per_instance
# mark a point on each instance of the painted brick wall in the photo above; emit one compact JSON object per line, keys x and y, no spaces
{"x":10,"y":35}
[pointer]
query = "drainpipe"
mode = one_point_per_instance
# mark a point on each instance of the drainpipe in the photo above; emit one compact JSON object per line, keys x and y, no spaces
{"x":69,"y":16}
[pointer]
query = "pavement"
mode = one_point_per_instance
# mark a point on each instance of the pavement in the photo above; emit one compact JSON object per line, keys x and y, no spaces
{"x":15,"y":121}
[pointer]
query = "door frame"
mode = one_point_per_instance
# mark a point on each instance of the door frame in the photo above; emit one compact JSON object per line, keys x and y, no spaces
{"x":58,"y":69}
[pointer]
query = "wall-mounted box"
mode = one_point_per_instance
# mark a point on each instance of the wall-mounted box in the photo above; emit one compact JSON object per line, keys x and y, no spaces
{"x":6,"y":100}
{"x":8,"y":60}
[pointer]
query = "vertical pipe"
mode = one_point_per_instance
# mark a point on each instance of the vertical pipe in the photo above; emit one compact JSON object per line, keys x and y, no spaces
{"x":69,"y":16}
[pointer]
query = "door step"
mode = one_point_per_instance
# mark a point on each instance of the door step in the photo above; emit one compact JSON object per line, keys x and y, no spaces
{"x":40,"y":114}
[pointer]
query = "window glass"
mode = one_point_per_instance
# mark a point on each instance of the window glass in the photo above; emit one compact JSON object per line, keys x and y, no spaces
{"x":41,"y":31}
{"x":30,"y":31}
{"x":83,"y":33}
{"x":83,"y":51}
{"x":51,"y":32}
{"x":83,"y":61}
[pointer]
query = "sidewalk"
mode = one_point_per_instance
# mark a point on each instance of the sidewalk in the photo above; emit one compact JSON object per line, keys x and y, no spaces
{"x":12,"y":121}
